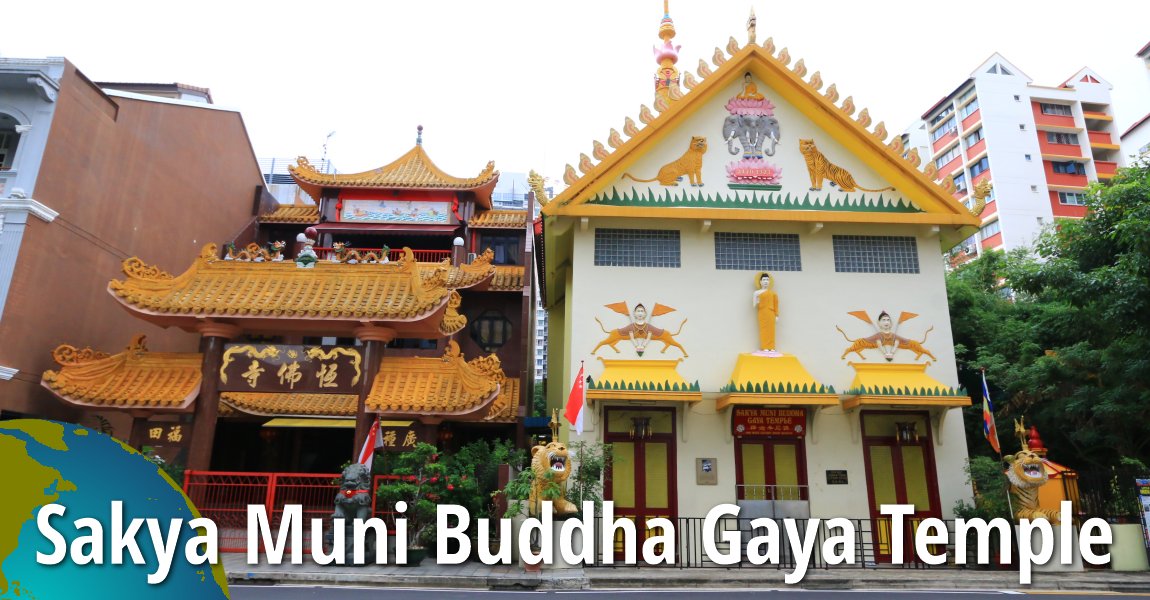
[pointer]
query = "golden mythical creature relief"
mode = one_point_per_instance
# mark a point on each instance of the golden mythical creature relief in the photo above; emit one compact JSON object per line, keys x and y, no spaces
{"x":690,"y":164}
{"x":639,"y":332}
{"x":821,"y":169}
{"x":885,"y":339}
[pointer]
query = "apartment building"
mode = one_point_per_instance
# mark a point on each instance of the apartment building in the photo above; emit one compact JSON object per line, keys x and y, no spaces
{"x":1039,"y":146}
{"x":1135,"y":139}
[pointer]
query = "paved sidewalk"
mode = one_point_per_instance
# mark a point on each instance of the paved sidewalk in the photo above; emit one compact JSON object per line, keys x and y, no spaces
{"x":475,"y":575}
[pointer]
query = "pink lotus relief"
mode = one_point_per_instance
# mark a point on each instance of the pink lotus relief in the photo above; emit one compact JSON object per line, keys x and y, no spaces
{"x":747,"y":106}
{"x":754,"y":170}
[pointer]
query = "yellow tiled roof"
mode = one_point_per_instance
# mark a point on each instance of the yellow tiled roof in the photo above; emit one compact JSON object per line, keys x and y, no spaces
{"x":505,"y":408}
{"x":464,"y":276}
{"x":900,"y":384}
{"x":773,"y":379}
{"x":499,"y":219}
{"x":134,"y":378}
{"x":507,"y":279}
{"x":447,"y":386}
{"x":292,"y":214}
{"x":292,"y":404}
{"x":413,"y":170}
{"x":213,"y":287}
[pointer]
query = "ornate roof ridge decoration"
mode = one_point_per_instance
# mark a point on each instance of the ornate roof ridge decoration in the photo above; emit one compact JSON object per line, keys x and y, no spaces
{"x":292,"y":214}
{"x":477,"y":274}
{"x":413,"y":171}
{"x":450,"y":385}
{"x":499,"y":219}
{"x":505,"y":407}
{"x":737,"y":61}
{"x":133,"y":378}
{"x":396,"y":291}
{"x":508,"y":278}
{"x":536,"y":182}
{"x":453,"y":322}
{"x":291,"y":404}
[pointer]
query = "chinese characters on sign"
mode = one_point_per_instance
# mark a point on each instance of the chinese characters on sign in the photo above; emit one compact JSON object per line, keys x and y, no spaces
{"x":780,"y":422}
{"x":283,"y":368}
{"x":166,"y":434}
{"x":398,"y":436}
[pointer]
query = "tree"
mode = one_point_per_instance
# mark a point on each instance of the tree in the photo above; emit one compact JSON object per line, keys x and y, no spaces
{"x":1062,"y":333}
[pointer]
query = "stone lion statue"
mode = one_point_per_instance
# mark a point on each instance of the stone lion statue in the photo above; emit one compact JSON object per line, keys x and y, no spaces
{"x":1027,"y":474}
{"x":353,"y":500}
{"x":550,"y":464}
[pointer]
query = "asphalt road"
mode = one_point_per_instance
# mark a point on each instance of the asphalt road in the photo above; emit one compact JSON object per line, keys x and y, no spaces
{"x":283,"y":592}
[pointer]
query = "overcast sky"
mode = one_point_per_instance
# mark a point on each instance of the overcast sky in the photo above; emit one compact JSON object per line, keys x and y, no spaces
{"x":530,"y":83}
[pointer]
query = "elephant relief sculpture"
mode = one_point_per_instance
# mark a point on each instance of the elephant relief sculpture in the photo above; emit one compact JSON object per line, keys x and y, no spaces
{"x":752,"y":132}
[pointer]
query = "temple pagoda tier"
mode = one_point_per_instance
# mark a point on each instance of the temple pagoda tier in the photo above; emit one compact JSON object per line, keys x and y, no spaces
{"x":404,"y":298}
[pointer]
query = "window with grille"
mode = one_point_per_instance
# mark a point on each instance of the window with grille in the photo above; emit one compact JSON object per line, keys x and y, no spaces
{"x":637,"y":248}
{"x":757,"y":251}
{"x":875,"y":254}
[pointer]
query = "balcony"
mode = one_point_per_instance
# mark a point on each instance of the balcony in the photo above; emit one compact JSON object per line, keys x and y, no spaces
{"x":944,"y":141}
{"x":950,"y":167}
{"x":1091,"y":115}
{"x":1106,"y":169}
{"x":1075,"y":180}
{"x":1102,"y":139}
{"x":1057,"y":150}
{"x":978,"y":148}
{"x":971,"y":119}
{"x":1041,"y":118}
{"x":424,"y":256}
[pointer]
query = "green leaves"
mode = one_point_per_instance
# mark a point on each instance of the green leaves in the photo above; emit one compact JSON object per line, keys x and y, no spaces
{"x":1064,"y":333}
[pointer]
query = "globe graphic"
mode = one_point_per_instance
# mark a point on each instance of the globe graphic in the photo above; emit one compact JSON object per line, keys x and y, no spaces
{"x":45,"y":462}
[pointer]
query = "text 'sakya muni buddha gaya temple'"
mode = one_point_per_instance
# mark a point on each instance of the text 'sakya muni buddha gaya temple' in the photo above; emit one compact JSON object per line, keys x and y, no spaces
{"x":433,"y":339}
{"x":751,"y":277}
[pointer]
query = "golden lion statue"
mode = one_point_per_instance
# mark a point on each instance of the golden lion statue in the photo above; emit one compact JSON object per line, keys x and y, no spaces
{"x":1027,"y":474}
{"x":550,"y":464}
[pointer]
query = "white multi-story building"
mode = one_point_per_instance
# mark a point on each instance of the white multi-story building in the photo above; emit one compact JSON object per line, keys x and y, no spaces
{"x":1039,"y":146}
{"x":1136,"y":139}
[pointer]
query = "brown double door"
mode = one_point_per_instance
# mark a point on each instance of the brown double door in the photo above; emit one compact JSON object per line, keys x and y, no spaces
{"x":641,"y":480}
{"x":900,"y":470}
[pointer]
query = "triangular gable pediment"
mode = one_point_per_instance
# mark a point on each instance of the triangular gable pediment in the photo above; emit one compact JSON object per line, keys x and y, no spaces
{"x":746,"y":187}
{"x":1086,"y":75}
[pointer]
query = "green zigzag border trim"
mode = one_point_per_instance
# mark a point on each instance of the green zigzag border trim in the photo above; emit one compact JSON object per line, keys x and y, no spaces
{"x":643,"y":386}
{"x":767,"y":387}
{"x":770,"y":201}
{"x":887,"y":390}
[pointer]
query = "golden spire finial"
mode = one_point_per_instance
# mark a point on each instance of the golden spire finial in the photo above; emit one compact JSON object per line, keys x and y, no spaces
{"x":666,"y":55}
{"x":554,"y":424}
{"x":751,"y":27}
{"x":1020,"y":431}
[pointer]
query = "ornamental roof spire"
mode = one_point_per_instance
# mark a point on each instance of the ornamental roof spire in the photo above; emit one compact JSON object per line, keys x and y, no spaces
{"x":666,"y":55}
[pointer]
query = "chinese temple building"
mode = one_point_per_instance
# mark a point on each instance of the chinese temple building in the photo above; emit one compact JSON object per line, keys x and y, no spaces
{"x":747,"y":280}
{"x":407,"y":300}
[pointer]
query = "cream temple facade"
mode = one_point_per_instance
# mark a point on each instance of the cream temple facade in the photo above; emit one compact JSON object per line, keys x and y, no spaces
{"x":749,"y":280}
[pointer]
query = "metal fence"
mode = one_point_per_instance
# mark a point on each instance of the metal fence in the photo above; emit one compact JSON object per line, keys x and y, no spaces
{"x":224,"y":498}
{"x":870,"y":545}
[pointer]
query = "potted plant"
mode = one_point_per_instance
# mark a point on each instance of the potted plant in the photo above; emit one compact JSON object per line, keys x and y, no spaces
{"x":421,"y":485}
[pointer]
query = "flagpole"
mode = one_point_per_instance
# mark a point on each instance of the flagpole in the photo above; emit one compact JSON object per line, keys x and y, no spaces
{"x":1001,"y":460}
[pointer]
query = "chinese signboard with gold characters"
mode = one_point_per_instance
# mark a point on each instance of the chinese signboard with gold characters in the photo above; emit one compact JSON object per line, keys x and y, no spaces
{"x":283,"y":368}
{"x":780,"y":422}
